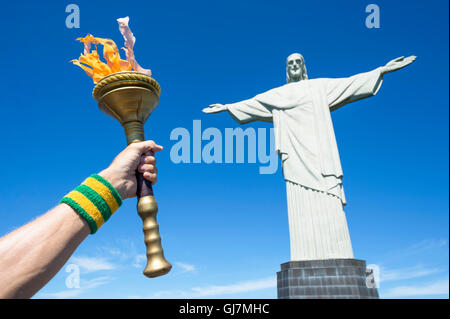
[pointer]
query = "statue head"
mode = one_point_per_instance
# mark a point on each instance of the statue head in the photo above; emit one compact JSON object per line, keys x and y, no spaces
{"x":295,"y":68}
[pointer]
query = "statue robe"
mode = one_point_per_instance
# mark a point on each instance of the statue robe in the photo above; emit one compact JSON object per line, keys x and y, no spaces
{"x":306,"y":144}
{"x":304,"y":134}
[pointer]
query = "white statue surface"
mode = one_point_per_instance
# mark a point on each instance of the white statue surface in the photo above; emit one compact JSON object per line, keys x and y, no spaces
{"x":306,"y":143}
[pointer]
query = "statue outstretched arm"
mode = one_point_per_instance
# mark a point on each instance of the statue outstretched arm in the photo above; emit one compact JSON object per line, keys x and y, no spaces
{"x":342,"y":91}
{"x":347,"y":90}
{"x":244,"y":111}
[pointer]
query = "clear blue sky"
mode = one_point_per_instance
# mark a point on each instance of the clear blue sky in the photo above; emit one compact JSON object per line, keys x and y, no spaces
{"x":225,"y":226}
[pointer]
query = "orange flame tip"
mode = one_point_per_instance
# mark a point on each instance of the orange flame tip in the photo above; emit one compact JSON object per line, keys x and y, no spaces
{"x":90,"y":61}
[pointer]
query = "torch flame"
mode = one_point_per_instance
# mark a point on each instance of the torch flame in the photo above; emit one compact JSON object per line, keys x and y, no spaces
{"x":90,"y":61}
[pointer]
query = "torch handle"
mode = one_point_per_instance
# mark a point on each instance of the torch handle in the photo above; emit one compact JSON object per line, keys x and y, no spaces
{"x":157,"y":265}
{"x":147,"y":208}
{"x":144,"y":187}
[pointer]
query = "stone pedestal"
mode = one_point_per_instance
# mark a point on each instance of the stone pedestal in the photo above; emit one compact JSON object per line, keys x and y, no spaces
{"x":324,"y":279}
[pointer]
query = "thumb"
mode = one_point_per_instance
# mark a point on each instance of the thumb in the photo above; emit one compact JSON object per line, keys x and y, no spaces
{"x":148,"y":146}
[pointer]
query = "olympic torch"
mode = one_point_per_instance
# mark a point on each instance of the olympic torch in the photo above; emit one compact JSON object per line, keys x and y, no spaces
{"x":128,"y":93}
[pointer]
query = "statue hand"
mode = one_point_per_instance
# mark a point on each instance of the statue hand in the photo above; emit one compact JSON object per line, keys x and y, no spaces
{"x":215,"y":108}
{"x":398,"y":63}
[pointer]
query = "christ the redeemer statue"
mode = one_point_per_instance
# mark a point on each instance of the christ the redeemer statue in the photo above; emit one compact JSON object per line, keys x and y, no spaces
{"x":306,"y":144}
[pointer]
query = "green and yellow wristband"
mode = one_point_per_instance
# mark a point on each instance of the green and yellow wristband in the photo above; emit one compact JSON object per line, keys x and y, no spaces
{"x":95,"y":200}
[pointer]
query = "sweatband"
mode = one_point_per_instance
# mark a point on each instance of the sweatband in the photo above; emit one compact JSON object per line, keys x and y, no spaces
{"x":95,"y":200}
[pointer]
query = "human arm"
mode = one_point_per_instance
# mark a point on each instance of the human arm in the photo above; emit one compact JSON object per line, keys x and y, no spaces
{"x":31,"y":255}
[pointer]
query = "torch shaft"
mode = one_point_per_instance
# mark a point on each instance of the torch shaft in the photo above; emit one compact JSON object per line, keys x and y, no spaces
{"x":134,"y":131}
{"x":147,"y":209}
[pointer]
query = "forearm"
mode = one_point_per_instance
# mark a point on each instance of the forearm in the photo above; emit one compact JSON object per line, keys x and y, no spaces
{"x":31,"y":255}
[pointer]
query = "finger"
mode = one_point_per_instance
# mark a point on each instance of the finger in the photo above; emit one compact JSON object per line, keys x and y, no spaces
{"x":400,"y":58}
{"x":152,"y":169}
{"x":146,"y":159}
{"x":147,"y":168}
{"x":157,"y":148}
{"x":148,"y":146}
{"x":150,"y":177}
{"x":150,"y":153}
{"x":141,"y":168}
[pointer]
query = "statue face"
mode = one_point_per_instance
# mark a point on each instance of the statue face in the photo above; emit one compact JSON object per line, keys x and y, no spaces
{"x":293,"y":65}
